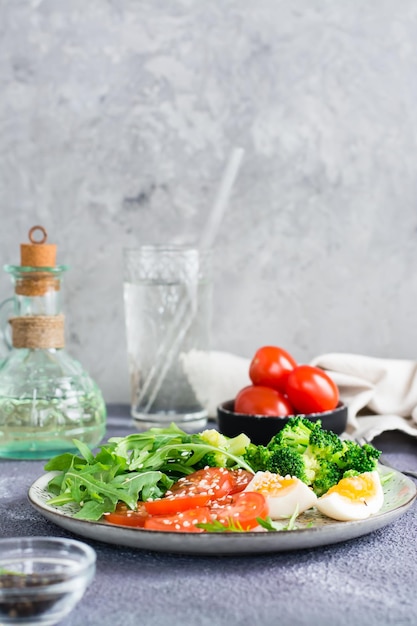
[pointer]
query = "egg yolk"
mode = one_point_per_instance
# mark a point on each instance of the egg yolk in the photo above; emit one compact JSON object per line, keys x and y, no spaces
{"x":355,"y":487}
{"x":275,"y":485}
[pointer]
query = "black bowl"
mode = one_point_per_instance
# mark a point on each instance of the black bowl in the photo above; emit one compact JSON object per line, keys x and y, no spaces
{"x":261,"y":428}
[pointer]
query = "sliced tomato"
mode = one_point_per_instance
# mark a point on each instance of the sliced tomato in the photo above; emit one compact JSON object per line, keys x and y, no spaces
{"x":177,"y":503}
{"x":184,"y":521}
{"x":123,"y":516}
{"x":240,"y":479}
{"x":242,"y":511}
{"x":213,"y":481}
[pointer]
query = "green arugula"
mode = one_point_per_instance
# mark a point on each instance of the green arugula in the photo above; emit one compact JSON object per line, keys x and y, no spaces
{"x":272,"y":526}
{"x":140,"y":466}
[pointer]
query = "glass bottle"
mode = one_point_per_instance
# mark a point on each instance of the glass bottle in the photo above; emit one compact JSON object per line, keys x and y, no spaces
{"x":46,"y":398}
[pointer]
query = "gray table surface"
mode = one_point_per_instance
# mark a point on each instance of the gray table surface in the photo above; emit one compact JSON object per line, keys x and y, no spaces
{"x":367,"y":581}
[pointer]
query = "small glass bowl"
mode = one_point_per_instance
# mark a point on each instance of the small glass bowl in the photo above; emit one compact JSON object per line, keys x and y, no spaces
{"x":42,"y":578}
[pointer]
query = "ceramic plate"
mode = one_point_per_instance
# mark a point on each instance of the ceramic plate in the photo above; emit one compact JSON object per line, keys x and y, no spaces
{"x":313,"y":529}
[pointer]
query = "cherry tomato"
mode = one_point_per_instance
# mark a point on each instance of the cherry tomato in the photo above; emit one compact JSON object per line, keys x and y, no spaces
{"x":243,"y":510}
{"x":184,"y":521}
{"x":175,"y":504}
{"x":240,"y":479}
{"x":258,"y":400}
{"x":270,"y":367}
{"x":123,"y":516}
{"x":212,"y":481}
{"x":311,"y":390}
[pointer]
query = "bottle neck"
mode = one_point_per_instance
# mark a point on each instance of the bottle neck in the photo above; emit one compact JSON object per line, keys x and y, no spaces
{"x":49,"y":303}
{"x":37,"y":290}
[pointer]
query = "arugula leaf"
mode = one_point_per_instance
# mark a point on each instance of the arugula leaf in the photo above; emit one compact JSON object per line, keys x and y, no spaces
{"x":139,"y":466}
{"x":267,"y":523}
{"x":272,"y":526}
{"x":91,"y":511}
{"x":291,"y":524}
{"x":85,"y":450}
{"x":97,"y":497}
{"x":63,"y":462}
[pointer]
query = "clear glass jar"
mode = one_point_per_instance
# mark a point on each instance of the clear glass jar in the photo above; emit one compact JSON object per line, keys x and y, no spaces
{"x":46,"y":398}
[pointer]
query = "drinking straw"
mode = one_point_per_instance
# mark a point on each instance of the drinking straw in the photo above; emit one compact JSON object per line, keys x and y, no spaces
{"x":185,"y":313}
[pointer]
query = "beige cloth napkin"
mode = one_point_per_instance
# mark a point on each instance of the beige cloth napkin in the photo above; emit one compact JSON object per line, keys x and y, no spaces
{"x":383,"y":391}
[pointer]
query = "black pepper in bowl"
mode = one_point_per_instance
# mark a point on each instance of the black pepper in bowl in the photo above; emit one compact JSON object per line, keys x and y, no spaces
{"x":22,"y":602}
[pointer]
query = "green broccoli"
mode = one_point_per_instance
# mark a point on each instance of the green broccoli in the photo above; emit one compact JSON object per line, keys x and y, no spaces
{"x":325,"y":444}
{"x":327,"y":475}
{"x":316,"y":456}
{"x":288,"y":462}
{"x":358,"y":458}
{"x":233,"y":445}
{"x":295,"y":434}
{"x":257,"y":456}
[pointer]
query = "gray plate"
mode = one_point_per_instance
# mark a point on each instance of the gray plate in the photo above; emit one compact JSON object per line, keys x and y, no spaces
{"x":313,"y":529}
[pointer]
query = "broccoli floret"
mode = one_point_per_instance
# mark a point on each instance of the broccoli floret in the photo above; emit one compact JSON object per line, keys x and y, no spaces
{"x":325,"y":444}
{"x":237,"y":445}
{"x":214,"y":438}
{"x":295,"y":434}
{"x":350,"y":473}
{"x":327,"y":475}
{"x":257,"y":457}
{"x":233,"y":445}
{"x":298,"y":448}
{"x":288,"y":462}
{"x":211,"y":459}
{"x":316,"y":456}
{"x":358,"y":458}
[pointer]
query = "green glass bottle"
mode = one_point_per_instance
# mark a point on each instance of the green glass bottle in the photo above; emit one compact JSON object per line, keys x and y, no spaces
{"x":47,"y":399}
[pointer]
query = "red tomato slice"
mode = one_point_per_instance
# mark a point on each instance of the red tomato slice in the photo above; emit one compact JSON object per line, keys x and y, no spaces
{"x":258,"y":400}
{"x":123,"y":516}
{"x":243,"y":510}
{"x":184,"y":521}
{"x":212,"y":481}
{"x":270,"y":367}
{"x":240,"y":479}
{"x":175,"y":504}
{"x":311,"y":390}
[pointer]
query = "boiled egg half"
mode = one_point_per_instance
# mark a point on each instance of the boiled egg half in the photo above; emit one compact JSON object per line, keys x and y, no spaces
{"x":284,"y":495}
{"x":353,"y":498}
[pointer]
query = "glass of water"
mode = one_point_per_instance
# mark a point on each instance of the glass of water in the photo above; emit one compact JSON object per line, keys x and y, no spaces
{"x":167,"y":298}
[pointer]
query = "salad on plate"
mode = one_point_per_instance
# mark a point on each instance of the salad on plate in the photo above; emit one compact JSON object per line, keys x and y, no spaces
{"x":165,"y":479}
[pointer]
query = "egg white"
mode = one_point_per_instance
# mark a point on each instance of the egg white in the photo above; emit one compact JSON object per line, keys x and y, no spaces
{"x":284,"y":495}
{"x":345,"y":509}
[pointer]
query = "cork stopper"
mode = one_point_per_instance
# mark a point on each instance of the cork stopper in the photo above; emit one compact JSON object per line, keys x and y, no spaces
{"x":37,"y":254}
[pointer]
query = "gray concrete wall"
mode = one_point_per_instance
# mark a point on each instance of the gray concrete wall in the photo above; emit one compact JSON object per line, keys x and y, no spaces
{"x":116,"y":120}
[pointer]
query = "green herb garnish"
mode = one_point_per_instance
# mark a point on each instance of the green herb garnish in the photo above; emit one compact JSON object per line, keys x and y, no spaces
{"x":141,"y":466}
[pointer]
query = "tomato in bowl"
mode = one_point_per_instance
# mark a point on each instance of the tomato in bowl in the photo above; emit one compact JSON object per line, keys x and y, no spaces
{"x":281,"y":388}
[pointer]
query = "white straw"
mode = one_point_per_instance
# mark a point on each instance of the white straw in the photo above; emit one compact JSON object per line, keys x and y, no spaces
{"x":185,"y":313}
{"x":216,"y":214}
